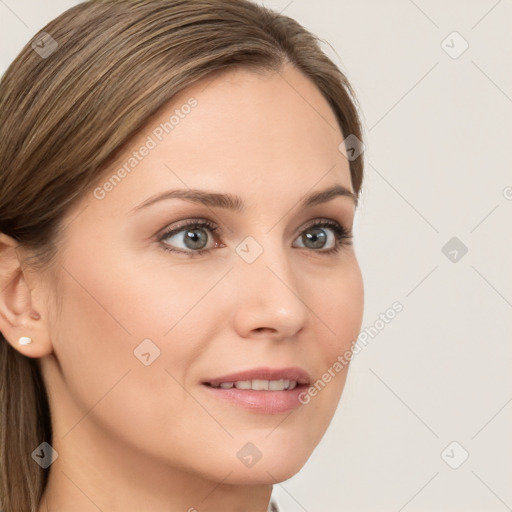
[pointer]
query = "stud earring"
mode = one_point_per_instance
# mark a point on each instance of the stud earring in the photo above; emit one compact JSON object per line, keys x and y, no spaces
{"x":24,"y":340}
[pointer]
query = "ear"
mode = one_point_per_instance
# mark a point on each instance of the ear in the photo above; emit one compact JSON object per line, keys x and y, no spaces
{"x":22,"y":312}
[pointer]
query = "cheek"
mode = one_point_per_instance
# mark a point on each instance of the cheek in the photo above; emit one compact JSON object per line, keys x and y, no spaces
{"x":338,"y":305}
{"x":107,"y":311}
{"x":105,"y":379}
{"x":120,"y":317}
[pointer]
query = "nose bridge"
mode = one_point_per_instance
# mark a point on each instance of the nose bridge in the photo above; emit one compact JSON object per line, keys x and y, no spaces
{"x":269,"y":296}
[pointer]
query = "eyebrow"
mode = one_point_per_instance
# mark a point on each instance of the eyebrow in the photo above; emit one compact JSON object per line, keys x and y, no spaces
{"x":235,"y":203}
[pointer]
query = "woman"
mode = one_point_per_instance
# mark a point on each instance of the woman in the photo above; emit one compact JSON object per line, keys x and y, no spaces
{"x":176,"y":269}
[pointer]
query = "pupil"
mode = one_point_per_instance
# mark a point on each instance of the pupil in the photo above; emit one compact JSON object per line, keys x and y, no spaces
{"x":196,"y":238}
{"x":315,"y":239}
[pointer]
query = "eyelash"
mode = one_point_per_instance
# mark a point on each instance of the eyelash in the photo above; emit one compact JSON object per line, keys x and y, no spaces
{"x":343,"y":236}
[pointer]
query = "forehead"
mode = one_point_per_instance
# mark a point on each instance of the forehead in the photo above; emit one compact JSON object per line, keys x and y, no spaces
{"x":256,"y":134}
{"x":283,"y":114}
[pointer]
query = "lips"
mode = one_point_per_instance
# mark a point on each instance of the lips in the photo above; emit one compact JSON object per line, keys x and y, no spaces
{"x":260,"y":390}
{"x":261,"y":375}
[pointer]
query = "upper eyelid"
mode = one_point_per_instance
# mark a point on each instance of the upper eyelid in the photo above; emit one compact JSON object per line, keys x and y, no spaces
{"x":215,"y":228}
{"x":187,"y":223}
{"x":208,"y":223}
{"x":322,"y":220}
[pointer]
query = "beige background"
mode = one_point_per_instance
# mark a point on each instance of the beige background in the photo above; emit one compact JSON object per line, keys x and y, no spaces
{"x":438,"y":138}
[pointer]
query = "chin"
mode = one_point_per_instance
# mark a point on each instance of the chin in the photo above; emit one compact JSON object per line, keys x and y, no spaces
{"x":276,"y":463}
{"x":270,"y":473}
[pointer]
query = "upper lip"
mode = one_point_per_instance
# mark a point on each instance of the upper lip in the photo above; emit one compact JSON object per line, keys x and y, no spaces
{"x":294,"y":373}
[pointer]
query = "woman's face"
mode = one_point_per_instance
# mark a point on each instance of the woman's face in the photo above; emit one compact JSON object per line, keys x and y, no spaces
{"x":204,"y":259}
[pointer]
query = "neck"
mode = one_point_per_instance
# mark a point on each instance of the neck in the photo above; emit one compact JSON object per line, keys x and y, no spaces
{"x":96,"y":472}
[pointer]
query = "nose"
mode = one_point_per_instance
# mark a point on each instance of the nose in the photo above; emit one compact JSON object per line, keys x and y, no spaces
{"x":269,"y":297}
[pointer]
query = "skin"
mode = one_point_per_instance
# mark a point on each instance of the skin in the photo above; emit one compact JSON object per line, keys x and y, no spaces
{"x":132,"y":437}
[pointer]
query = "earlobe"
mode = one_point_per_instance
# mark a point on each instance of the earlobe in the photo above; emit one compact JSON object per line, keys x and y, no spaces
{"x":21,"y":323}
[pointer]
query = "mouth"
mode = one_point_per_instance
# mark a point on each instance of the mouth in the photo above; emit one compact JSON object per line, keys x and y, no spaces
{"x":257,"y":385}
{"x":262,"y":379}
{"x":262,"y":390}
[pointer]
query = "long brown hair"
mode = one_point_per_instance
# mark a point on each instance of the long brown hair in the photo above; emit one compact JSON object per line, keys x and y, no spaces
{"x":70,"y":102}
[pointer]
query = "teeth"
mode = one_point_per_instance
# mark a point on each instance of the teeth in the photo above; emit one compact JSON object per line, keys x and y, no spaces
{"x":260,"y":385}
{"x":278,"y":385}
{"x":243,"y":384}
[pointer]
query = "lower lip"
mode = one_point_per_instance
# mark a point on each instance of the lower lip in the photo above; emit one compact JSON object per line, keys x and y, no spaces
{"x":264,"y":402}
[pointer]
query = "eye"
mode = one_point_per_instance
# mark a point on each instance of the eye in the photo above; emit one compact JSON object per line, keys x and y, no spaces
{"x":192,"y":237}
{"x":195,"y":237}
{"x":325,"y":236}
